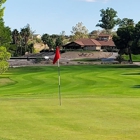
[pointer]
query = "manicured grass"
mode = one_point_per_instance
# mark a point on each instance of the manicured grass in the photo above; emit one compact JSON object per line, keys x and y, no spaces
{"x":98,"y":102}
{"x":76,"y":81}
{"x":135,"y":58}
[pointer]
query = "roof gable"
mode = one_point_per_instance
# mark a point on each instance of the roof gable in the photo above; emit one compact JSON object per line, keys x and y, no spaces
{"x":107,"y":43}
{"x":87,"y":42}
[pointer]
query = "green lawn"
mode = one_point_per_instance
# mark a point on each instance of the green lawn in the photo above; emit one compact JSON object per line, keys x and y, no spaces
{"x":135,"y":58}
{"x":98,"y":103}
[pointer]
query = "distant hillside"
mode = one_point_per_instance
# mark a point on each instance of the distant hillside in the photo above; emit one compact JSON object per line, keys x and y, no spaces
{"x":40,"y":46}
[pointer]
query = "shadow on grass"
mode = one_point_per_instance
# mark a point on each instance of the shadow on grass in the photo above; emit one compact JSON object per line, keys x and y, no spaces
{"x":127,"y":66}
{"x":118,"y":66}
{"x":131,"y":74}
{"x":136,"y":86}
{"x":87,"y":60}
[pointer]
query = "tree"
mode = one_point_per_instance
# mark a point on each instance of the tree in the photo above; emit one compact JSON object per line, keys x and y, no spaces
{"x":22,"y":40}
{"x":108,"y":19}
{"x":4,"y":56}
{"x":63,"y":34}
{"x":15,"y":36}
{"x":4,"y":31}
{"x":51,"y":43}
{"x":5,"y":34}
{"x":16,"y":40}
{"x":54,"y":36}
{"x":94,"y":34}
{"x":5,"y":39}
{"x":17,"y":43}
{"x":79,"y":31}
{"x":25,"y":34}
{"x":59,"y":41}
{"x":136,"y":42}
{"x":124,"y":40}
{"x":126,"y":22}
{"x":2,"y":8}
{"x":47,"y":39}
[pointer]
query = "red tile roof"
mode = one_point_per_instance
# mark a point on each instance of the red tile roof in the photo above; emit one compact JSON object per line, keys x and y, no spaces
{"x":91,"y":42}
{"x":95,"y":42}
{"x":107,"y":43}
{"x":79,"y":42}
{"x":87,"y":41}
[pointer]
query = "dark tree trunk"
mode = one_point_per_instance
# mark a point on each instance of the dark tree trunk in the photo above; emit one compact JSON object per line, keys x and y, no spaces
{"x":130,"y":56}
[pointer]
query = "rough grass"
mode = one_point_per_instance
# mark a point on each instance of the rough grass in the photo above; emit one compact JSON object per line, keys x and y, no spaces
{"x":5,"y":81}
{"x":98,"y":102}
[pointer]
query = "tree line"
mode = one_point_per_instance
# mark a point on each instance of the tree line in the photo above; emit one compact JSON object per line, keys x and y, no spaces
{"x":4,"y":41}
{"x":126,"y":37}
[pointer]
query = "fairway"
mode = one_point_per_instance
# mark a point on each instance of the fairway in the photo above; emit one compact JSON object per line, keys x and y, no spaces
{"x":99,"y":102}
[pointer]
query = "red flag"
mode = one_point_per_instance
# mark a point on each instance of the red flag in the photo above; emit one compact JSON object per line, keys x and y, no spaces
{"x":57,"y":55}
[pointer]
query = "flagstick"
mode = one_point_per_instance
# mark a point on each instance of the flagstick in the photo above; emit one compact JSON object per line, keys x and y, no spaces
{"x":59,"y":82}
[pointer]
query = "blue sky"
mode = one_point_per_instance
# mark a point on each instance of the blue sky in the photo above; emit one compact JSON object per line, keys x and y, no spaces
{"x":55,"y":16}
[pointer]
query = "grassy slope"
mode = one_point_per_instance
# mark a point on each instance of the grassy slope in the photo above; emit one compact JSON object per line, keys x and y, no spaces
{"x":98,"y":102}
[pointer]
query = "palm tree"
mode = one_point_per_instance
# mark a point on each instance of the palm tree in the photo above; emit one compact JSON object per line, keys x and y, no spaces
{"x":25,"y":34}
{"x":16,"y":38}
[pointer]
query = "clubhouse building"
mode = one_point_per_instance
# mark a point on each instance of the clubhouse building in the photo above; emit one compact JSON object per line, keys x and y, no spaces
{"x":103,"y":42}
